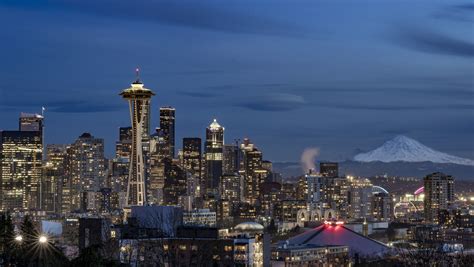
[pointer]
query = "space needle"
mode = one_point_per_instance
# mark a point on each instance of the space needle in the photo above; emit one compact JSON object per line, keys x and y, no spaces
{"x":139,"y":99}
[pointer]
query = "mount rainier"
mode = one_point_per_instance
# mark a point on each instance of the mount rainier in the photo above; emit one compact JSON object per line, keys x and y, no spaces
{"x":402,"y":148}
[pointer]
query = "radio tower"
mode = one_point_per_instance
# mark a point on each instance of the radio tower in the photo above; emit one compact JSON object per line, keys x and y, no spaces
{"x":139,"y":100}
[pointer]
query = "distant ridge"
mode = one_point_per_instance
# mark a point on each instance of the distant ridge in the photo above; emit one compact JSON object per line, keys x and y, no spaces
{"x":405,"y":149}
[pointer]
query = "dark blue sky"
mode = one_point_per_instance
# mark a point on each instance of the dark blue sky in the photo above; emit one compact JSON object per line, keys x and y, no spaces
{"x":338,"y":75}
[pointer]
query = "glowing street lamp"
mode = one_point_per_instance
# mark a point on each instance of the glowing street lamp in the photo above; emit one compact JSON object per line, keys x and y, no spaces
{"x":18,"y":238}
{"x":43,"y":239}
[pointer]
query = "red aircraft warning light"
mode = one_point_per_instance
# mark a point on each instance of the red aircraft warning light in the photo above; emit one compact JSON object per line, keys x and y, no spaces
{"x":333,"y":222}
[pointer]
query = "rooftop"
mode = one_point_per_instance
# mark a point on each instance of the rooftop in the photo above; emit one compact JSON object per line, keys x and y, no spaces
{"x":249,"y":226}
{"x":215,"y":125}
{"x":328,"y":234}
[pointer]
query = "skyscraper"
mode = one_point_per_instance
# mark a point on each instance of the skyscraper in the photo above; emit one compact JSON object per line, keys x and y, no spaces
{"x":167,"y":122}
{"x":158,"y":153}
{"x":21,"y":154}
{"x":192,"y":158}
{"x":138,"y":98}
{"x":87,"y":166}
{"x":439,"y":195}
{"x":329,"y":169}
{"x":214,"y":154}
{"x":252,"y":170}
{"x":54,"y":175}
{"x":21,"y":169}
{"x":123,"y":147}
{"x":119,"y":166}
{"x":232,"y":157}
{"x":31,"y":122}
{"x":175,"y":182}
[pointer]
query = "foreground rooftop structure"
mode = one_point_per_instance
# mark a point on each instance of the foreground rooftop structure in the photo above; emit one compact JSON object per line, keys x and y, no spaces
{"x":336,"y":234}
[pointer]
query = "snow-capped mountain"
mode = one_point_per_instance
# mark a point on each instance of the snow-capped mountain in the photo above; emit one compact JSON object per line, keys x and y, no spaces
{"x":402,"y":148}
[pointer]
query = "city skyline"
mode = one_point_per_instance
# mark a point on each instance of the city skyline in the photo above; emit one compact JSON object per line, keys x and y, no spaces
{"x":245,"y":133}
{"x":399,"y":76}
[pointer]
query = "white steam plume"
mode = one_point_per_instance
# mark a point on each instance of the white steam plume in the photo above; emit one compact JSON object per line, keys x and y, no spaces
{"x":308,"y":158}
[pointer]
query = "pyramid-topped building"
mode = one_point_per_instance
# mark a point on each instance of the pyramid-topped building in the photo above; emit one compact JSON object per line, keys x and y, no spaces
{"x":337,"y":234}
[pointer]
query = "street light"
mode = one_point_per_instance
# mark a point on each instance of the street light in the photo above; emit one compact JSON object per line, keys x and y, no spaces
{"x":43,"y":239}
{"x":18,"y":238}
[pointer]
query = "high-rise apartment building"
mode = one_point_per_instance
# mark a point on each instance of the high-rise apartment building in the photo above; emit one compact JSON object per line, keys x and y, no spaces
{"x":138,"y":98}
{"x":214,"y":155}
{"x":87,"y":166}
{"x":167,"y":125}
{"x":382,"y":207}
{"x":439,"y":195}
{"x":359,"y":198}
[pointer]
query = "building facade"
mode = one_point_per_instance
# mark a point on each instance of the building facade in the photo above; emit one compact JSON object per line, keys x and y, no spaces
{"x":167,"y":126}
{"x":214,"y":156}
{"x":21,"y":155}
{"x":439,"y":195}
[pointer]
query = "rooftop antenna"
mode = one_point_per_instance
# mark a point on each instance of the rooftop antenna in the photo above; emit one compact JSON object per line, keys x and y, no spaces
{"x":137,"y":74}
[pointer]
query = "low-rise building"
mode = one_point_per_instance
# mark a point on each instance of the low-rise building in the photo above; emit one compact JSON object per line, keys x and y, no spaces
{"x":310,"y":255}
{"x":200,"y":217}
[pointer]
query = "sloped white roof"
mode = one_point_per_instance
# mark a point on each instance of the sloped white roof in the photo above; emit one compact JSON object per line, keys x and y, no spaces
{"x":249,"y":226}
{"x":340,"y":235}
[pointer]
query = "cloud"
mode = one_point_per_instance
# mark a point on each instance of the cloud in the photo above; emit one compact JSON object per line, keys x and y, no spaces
{"x":198,"y":94}
{"x":273,"y":102}
{"x":436,"y":43}
{"x":82,"y":107}
{"x":62,"y":106}
{"x":380,"y":107}
{"x":461,"y":13}
{"x":193,"y":14}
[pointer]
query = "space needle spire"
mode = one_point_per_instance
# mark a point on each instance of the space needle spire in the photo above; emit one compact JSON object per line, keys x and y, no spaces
{"x":139,"y":99}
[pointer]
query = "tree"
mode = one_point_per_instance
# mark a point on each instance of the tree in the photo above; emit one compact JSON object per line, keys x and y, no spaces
{"x":32,"y":252}
{"x":93,"y":256}
{"x":29,"y":232}
{"x":271,"y":228}
{"x":391,"y":232}
{"x":7,"y":238}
